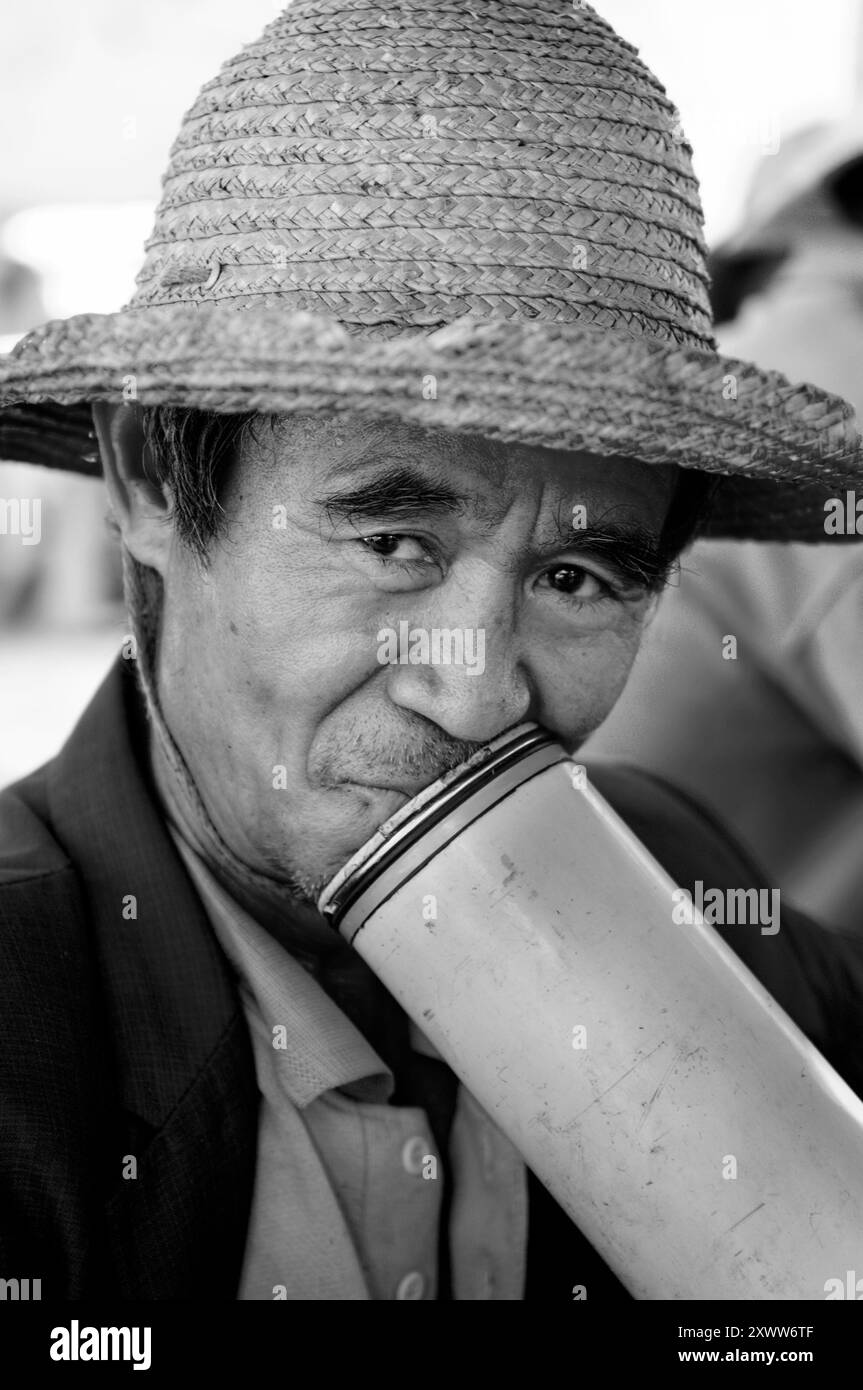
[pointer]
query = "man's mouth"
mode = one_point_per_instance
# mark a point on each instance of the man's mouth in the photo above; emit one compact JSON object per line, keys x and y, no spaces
{"x":404,"y":786}
{"x":405,"y":783}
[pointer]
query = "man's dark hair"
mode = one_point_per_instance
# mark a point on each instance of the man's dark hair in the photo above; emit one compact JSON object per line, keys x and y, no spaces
{"x":190,"y":451}
{"x":689,"y":511}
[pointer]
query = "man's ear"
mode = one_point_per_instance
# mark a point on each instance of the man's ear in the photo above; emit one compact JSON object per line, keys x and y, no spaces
{"x":142,"y":508}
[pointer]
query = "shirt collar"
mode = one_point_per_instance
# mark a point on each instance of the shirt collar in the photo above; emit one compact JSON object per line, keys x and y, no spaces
{"x":321,"y":1049}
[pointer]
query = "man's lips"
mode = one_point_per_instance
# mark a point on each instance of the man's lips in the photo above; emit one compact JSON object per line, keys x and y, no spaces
{"x":404,"y":783}
{"x":405,"y":786}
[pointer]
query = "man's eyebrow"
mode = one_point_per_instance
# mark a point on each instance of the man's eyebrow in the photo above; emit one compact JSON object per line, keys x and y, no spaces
{"x":396,"y":490}
{"x":635,"y":552}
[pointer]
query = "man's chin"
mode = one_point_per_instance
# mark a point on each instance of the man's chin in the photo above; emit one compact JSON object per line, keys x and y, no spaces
{"x":362,"y":807}
{"x":366,"y":808}
{"x":362,"y":810}
{"x":380,"y":802}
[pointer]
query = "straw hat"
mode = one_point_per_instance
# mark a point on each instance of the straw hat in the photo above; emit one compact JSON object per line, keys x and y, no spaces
{"x":475,"y":216}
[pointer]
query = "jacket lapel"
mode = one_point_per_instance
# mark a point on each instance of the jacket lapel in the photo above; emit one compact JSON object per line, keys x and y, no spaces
{"x":182,"y":1054}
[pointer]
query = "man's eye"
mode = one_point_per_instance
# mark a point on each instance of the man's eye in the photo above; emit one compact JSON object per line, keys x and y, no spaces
{"x":579,"y":583}
{"x":405,"y":550}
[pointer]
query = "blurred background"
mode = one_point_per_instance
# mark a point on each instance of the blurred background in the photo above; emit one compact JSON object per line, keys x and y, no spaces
{"x":91,"y":95}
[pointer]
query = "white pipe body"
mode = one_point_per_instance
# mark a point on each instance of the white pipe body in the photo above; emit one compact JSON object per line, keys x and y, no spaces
{"x":700,"y":1142}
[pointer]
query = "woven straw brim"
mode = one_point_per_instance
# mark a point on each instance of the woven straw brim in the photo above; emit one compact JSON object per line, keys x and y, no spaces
{"x":785,"y":449}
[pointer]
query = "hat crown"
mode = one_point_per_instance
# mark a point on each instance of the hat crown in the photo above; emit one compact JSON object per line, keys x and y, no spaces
{"x":400,"y":166}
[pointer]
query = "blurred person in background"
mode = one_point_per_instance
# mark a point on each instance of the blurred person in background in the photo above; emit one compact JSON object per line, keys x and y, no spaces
{"x":758,"y":649}
{"x":66,"y":573}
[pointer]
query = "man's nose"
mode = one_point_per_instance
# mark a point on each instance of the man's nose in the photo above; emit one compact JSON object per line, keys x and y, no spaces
{"x":470,"y":680}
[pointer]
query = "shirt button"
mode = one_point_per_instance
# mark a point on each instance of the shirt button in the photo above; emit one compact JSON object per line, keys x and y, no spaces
{"x":413,"y":1153}
{"x":412,"y":1286}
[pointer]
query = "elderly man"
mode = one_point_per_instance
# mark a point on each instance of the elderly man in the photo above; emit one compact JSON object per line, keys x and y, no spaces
{"x":421,"y":338}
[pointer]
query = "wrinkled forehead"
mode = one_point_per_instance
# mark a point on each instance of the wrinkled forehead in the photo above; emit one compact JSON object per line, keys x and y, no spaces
{"x":340,"y":447}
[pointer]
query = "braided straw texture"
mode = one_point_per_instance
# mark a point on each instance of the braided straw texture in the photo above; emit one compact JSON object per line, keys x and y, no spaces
{"x":475,"y":215}
{"x":403,"y":165}
{"x":511,"y":382}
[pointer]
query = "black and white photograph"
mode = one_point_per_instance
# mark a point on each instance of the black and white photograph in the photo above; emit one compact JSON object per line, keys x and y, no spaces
{"x":431,"y":670}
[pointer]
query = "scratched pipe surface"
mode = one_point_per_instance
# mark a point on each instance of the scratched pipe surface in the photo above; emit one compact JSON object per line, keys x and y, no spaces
{"x":550,"y":916}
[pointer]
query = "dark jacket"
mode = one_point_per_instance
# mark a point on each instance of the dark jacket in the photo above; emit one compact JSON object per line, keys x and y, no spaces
{"x":125,"y":1036}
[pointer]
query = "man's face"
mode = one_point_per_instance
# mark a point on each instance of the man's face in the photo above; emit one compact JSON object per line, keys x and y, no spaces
{"x":300,"y":647}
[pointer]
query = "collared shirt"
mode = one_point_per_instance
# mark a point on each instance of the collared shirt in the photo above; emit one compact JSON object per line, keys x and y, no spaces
{"x":348,"y":1188}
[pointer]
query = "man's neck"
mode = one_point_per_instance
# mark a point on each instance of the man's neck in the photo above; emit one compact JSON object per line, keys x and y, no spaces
{"x":297,"y":925}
